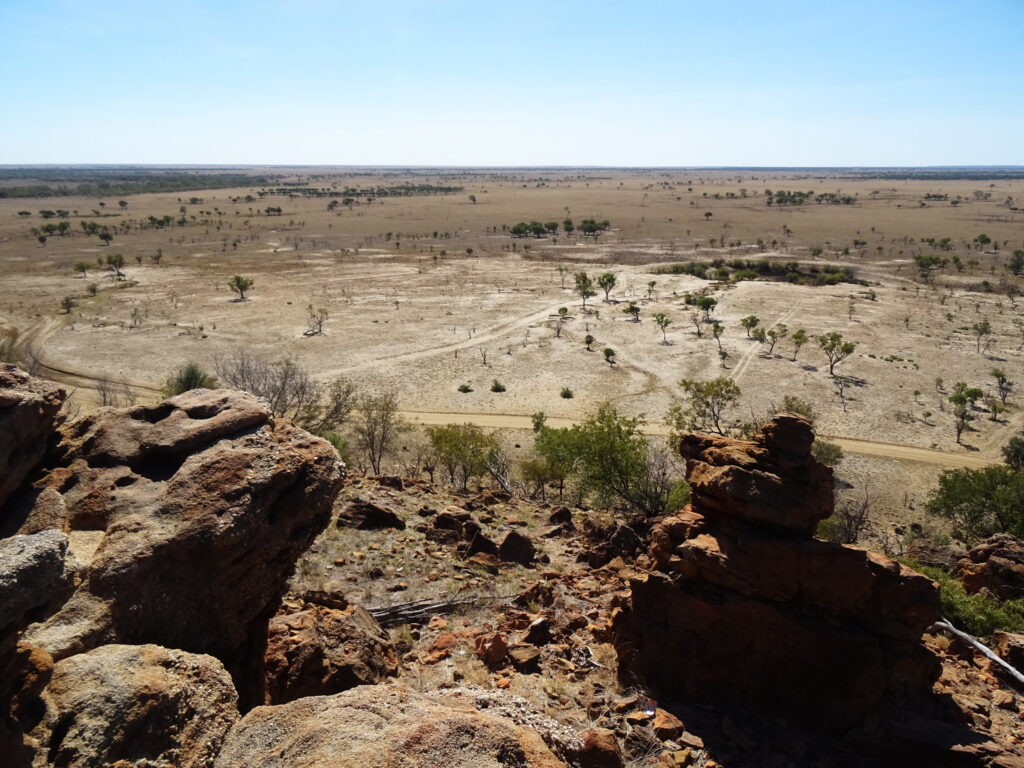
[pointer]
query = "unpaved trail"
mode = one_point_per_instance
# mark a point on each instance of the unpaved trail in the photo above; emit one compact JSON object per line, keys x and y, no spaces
{"x":489,"y":334}
{"x":39,"y":332}
{"x":863,"y":447}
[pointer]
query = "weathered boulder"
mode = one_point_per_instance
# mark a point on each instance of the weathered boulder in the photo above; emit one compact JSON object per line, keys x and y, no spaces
{"x":746,"y":609}
{"x":190,"y":515}
{"x":995,"y":565}
{"x":365,"y":515}
{"x":139,"y":705}
{"x":320,"y":651}
{"x":601,"y":749}
{"x":30,"y":411}
{"x":517,"y":548}
{"x":773,"y":479}
{"x":36,"y":575}
{"x":385,"y":726}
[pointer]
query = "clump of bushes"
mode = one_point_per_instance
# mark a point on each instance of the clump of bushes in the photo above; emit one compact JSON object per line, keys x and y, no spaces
{"x":465,"y":388}
{"x":566,"y":393}
{"x":497,"y":386}
{"x":979,"y":614}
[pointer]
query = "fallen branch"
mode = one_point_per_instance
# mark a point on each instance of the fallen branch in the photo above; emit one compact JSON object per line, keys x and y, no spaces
{"x":974,"y":642}
{"x":419,"y":611}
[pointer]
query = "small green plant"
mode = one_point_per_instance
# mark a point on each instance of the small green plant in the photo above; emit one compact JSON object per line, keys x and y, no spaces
{"x":465,"y":388}
{"x":566,"y":393}
{"x":979,"y":614}
{"x":497,"y":386}
{"x":189,"y":376}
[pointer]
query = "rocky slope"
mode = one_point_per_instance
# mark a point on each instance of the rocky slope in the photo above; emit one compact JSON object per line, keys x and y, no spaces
{"x":198,"y":584}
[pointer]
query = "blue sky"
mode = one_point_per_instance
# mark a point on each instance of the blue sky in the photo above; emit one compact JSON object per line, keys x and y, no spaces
{"x":452,"y":82}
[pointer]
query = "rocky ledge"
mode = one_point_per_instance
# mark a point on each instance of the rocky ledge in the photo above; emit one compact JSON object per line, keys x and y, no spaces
{"x":738,"y":583}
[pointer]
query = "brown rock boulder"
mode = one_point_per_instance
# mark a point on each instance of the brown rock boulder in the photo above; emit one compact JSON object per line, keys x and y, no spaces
{"x":600,"y":749}
{"x":517,"y":548}
{"x":194,"y":512}
{"x":136,"y":705}
{"x":773,"y":479}
{"x":747,"y":610}
{"x":30,"y":411}
{"x":321,"y":651}
{"x":1009,"y":646}
{"x":995,"y":565}
{"x":365,"y":515}
{"x":394,"y":727}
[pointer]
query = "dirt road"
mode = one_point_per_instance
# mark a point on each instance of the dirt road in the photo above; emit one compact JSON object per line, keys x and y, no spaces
{"x":865,"y":447}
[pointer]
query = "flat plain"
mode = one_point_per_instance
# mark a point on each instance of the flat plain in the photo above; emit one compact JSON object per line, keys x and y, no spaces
{"x":425,"y":290}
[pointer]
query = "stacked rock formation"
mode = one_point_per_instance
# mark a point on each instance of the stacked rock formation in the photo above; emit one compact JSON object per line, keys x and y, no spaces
{"x":743,"y":607}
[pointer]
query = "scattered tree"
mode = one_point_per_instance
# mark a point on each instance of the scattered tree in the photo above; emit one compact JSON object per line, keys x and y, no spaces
{"x":240,"y":285}
{"x":1003,"y":385}
{"x":115,"y":263}
{"x":749,"y":323}
{"x":606,"y":282}
{"x":633,"y":309}
{"x":835,"y":349}
{"x":662,"y":321}
{"x":584,"y":288}
{"x":981,"y":329}
{"x":609,"y":355}
{"x":799,"y":338}
{"x":708,"y":403}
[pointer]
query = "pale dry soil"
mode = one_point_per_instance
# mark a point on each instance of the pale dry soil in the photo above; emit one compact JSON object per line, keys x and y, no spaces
{"x":416,"y":314}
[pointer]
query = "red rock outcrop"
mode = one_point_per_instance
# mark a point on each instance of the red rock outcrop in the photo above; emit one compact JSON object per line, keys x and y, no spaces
{"x":30,"y":411}
{"x":996,"y":565}
{"x":744,"y":608}
{"x":319,"y":651}
{"x":188,"y":517}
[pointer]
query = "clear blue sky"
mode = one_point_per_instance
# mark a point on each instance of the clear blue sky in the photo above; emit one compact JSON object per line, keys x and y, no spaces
{"x":525,"y":82}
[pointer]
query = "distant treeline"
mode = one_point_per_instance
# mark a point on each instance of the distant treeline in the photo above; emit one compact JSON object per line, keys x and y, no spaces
{"x":63,"y":182}
{"x":355,"y":193}
{"x":762,"y":269}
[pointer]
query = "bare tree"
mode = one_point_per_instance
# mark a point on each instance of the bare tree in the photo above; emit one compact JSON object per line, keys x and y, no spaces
{"x":290,"y":390}
{"x":377,"y":425}
{"x":316,"y":319}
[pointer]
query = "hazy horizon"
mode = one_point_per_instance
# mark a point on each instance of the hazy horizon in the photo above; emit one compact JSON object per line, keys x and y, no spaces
{"x":449,"y":83}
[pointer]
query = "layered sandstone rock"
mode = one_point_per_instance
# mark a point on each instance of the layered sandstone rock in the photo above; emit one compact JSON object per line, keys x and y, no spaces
{"x":30,"y":411}
{"x":319,"y":651}
{"x":745,"y":608}
{"x":188,"y":517}
{"x":393,"y":727}
{"x":138,"y":705}
{"x":996,"y":565}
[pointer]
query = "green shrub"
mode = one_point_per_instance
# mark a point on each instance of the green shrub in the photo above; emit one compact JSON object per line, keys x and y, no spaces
{"x":979,"y":615}
{"x":497,"y":386}
{"x":566,"y":393}
{"x":189,"y":376}
{"x":465,"y":388}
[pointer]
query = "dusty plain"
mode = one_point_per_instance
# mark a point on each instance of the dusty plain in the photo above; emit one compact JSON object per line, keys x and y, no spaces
{"x":427,"y":292}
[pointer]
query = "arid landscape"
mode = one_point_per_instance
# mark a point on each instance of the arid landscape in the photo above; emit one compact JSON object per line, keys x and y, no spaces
{"x":424,"y":288}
